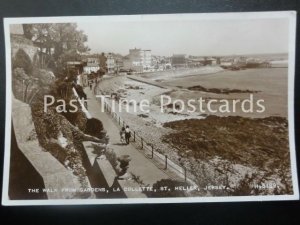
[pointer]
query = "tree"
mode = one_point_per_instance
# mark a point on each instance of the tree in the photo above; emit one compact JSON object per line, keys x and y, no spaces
{"x":27,"y":31}
{"x":22,"y":60}
{"x":103,"y":60}
{"x":101,"y":72}
{"x":56,"y":40}
{"x":68,"y":55}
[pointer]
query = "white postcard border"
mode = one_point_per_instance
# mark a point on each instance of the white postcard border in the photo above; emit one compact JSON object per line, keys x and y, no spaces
{"x":291,"y":15}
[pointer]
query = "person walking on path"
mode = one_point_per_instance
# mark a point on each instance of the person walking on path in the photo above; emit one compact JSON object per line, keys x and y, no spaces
{"x":122,"y":135}
{"x":127,"y":134}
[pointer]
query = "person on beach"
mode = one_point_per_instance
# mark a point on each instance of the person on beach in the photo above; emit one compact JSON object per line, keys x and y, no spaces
{"x":122,"y":135}
{"x":127,"y":134}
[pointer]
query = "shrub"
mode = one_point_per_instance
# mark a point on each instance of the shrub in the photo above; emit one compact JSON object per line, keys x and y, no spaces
{"x":111,"y":157}
{"x":22,"y":60}
{"x":94,"y":127}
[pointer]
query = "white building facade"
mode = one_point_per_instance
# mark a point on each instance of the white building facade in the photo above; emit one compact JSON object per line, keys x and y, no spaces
{"x":139,"y":60}
{"x":91,"y":66}
{"x":110,"y":64}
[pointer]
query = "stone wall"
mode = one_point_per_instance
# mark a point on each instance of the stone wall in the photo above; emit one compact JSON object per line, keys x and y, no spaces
{"x":55,"y":176}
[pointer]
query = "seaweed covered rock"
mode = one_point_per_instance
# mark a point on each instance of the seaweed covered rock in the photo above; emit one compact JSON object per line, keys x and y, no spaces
{"x":235,"y":149}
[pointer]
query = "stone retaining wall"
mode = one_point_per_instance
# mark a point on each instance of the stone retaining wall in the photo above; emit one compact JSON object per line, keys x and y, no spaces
{"x":55,"y":176}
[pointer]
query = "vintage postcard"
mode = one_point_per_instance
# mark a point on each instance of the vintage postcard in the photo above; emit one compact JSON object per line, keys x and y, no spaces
{"x":150,"y":109}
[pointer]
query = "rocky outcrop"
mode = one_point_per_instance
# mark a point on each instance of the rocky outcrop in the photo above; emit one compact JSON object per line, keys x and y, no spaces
{"x":235,"y":151}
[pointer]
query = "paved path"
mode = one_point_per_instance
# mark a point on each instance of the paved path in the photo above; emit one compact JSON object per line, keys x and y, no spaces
{"x":139,"y":164}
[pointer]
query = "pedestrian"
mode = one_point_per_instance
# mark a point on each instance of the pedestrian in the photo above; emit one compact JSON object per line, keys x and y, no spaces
{"x":127,"y":134}
{"x":91,"y":86}
{"x":122,"y":135}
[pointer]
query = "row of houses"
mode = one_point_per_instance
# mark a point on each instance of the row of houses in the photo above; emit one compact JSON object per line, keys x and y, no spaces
{"x":182,"y":60}
{"x":228,"y":62}
{"x":105,"y":63}
{"x":141,"y":61}
{"x":137,"y":60}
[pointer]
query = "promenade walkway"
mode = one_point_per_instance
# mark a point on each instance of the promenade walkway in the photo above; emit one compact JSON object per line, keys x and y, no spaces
{"x":139,"y":165}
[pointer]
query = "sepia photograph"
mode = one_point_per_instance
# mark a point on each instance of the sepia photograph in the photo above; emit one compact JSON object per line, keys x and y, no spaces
{"x":163,"y":108}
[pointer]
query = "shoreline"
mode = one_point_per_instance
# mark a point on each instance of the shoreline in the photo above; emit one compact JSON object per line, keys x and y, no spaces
{"x":156,"y":134}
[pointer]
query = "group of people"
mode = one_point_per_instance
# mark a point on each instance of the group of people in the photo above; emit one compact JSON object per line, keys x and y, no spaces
{"x":125,"y":135}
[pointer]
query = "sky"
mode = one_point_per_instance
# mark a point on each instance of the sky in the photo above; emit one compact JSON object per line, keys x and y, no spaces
{"x":201,"y":37}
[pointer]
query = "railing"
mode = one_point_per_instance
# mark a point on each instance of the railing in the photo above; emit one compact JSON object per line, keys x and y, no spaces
{"x":84,"y":109}
{"x":161,"y":160}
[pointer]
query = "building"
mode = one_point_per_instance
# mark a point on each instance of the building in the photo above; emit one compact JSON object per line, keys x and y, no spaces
{"x":210,"y":61}
{"x":147,"y":59}
{"x":92,"y":65}
{"x":82,"y":79}
{"x":110,"y":63}
{"x":119,"y":62}
{"x":195,"y":61}
{"x":138,"y":60}
{"x":179,"y":60}
{"x":75,"y":66}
